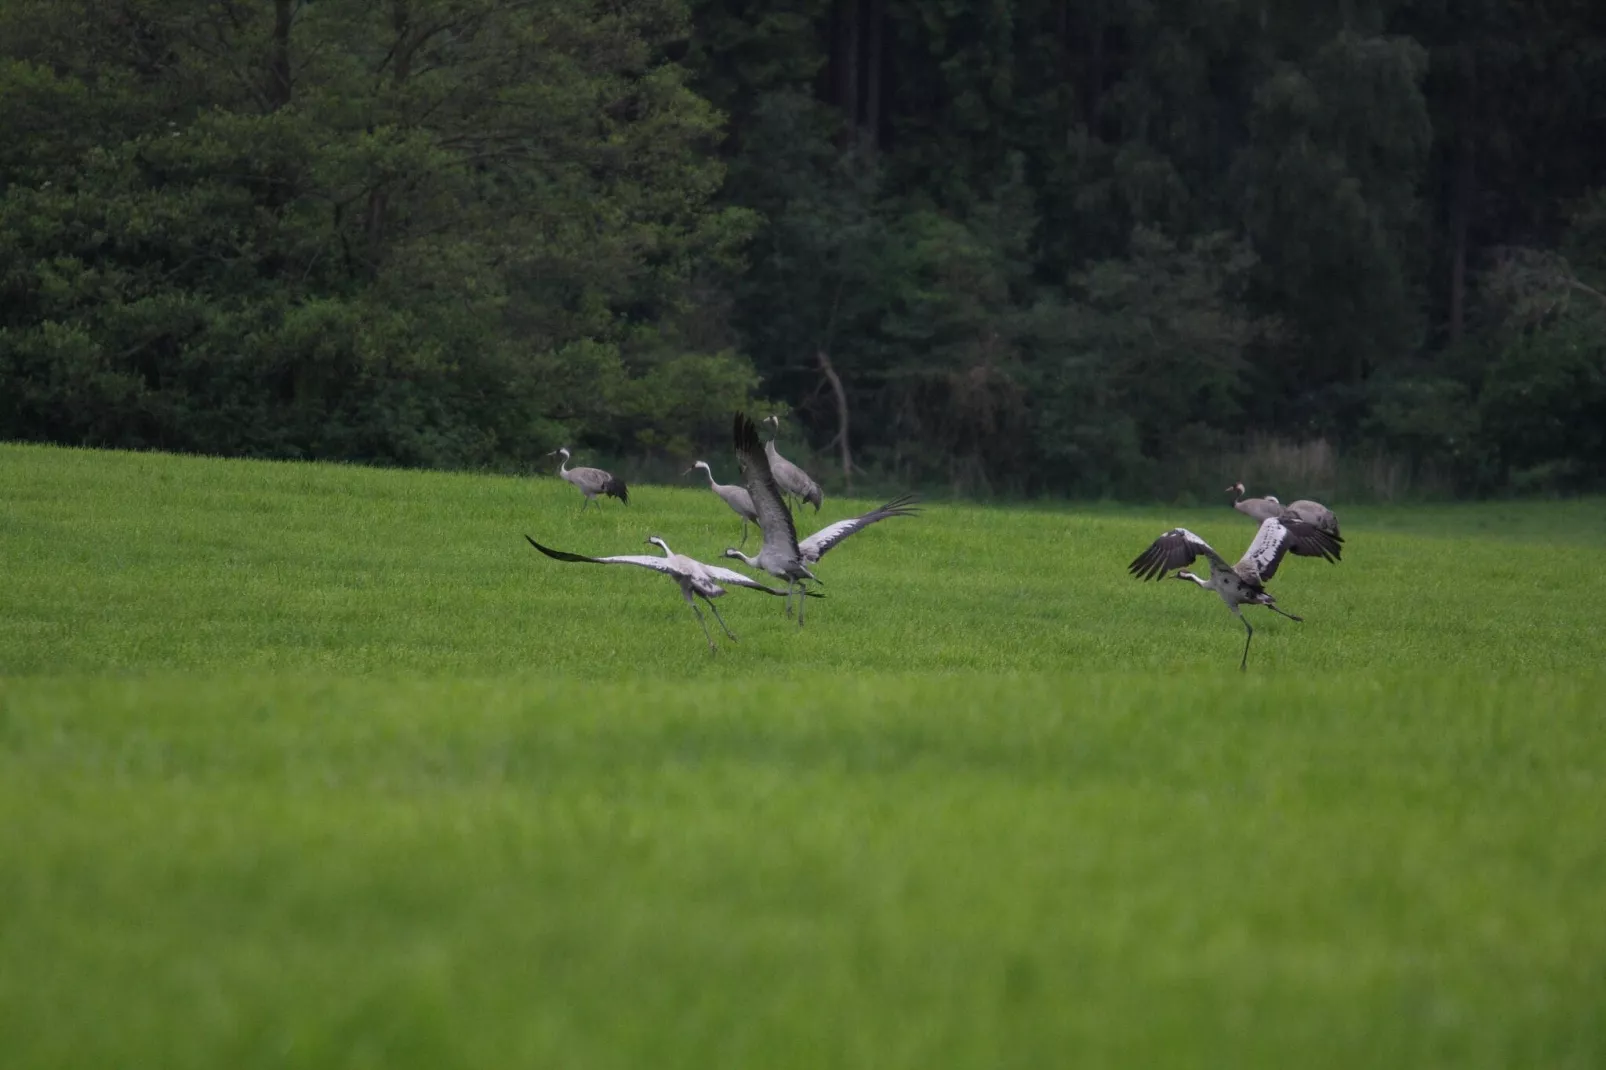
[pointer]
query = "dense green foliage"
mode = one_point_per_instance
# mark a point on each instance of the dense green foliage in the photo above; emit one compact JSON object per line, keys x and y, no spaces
{"x":1034,"y":246}
{"x":318,"y":766}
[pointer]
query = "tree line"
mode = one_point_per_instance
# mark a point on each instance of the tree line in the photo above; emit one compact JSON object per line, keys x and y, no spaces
{"x":1026,"y":247}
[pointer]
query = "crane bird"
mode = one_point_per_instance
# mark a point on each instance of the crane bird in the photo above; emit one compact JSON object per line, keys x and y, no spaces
{"x":788,"y":476}
{"x":591,"y":481}
{"x":737,"y":498}
{"x":1315,"y":514}
{"x":694,"y":578}
{"x":779,"y":555}
{"x":1240,"y":584}
{"x":815,"y":546}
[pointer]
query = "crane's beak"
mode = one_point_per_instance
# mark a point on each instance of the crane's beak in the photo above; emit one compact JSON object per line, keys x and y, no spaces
{"x":689,"y":471}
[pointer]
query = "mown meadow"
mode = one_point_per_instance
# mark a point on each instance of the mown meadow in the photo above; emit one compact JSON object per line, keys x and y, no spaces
{"x":307,"y":765}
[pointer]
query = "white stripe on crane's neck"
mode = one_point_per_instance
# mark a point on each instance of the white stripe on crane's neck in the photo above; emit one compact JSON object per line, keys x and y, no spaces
{"x":661,"y":544}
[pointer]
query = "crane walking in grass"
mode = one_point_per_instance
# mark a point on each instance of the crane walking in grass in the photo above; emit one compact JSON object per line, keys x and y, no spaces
{"x":788,"y":476}
{"x":737,"y":498}
{"x":591,"y":481}
{"x":1315,"y":514}
{"x":779,"y":555}
{"x":696,"y":579}
{"x":1240,"y":584}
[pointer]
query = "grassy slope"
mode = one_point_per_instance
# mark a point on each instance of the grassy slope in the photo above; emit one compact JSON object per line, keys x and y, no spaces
{"x":316,"y":766}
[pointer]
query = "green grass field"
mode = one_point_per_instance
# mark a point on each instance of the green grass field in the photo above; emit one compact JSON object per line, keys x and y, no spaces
{"x":320,"y":766}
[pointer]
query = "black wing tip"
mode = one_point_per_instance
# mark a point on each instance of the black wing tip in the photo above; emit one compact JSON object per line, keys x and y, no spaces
{"x":902,"y":505}
{"x":1315,"y":542}
{"x":559,"y":555}
{"x":616,"y":488}
{"x":1153,"y":563}
{"x":743,"y":433}
{"x":545,"y":550}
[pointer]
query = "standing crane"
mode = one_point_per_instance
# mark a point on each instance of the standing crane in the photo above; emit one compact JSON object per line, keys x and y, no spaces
{"x":1240,"y":584}
{"x":788,"y":476}
{"x":737,"y":498}
{"x":815,"y":546}
{"x":779,"y":555}
{"x":694,"y":577}
{"x":591,"y":481}
{"x":1313,"y":513}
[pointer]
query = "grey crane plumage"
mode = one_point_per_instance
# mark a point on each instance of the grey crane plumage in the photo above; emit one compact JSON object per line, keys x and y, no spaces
{"x":815,"y":546}
{"x":1240,"y":584}
{"x":737,"y":498}
{"x":779,"y":555}
{"x":1313,"y":513}
{"x":695,"y":578}
{"x":591,"y":481}
{"x":788,"y":476}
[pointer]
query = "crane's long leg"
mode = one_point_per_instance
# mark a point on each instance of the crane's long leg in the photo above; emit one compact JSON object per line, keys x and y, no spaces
{"x":721,"y":620}
{"x":1290,"y":616}
{"x":587,"y":505}
{"x":1249,"y":633}
{"x":711,"y":647}
{"x":802,"y":597}
{"x":744,"y":534}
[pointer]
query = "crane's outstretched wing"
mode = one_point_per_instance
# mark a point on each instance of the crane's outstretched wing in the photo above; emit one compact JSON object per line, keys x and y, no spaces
{"x":816,"y":545}
{"x":1277,"y":536}
{"x":657,"y":564}
{"x":724,"y":575}
{"x":1177,"y":548}
{"x":774,"y":518}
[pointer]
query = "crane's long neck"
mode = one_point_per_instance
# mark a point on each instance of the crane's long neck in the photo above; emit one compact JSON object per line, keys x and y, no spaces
{"x":752,"y":562}
{"x":709,"y":472}
{"x":1196,"y":579}
{"x":563,"y":462}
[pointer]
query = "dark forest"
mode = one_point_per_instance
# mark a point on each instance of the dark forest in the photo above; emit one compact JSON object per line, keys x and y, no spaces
{"x":1063,"y":248}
